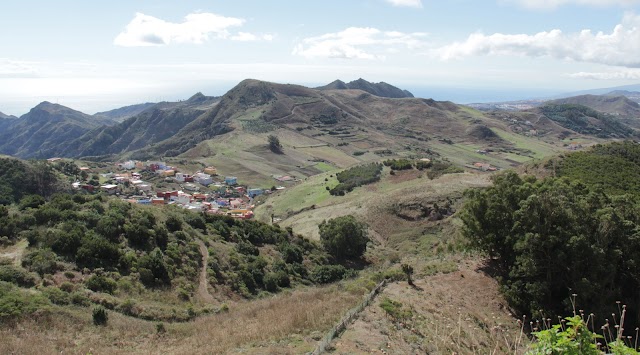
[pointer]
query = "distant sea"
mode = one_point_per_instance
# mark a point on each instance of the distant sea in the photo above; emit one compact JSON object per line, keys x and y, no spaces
{"x":479,"y":95}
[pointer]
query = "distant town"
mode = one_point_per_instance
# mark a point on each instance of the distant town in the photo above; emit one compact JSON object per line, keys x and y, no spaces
{"x":158,"y":183}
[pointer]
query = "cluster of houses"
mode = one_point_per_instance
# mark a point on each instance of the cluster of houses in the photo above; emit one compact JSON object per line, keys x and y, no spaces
{"x":220,"y":196}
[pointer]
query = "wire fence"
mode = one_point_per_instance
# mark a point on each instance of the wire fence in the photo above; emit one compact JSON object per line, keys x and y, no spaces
{"x":334,"y":332}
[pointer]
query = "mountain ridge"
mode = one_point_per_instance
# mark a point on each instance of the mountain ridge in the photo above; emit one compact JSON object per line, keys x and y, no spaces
{"x":381,"y":89}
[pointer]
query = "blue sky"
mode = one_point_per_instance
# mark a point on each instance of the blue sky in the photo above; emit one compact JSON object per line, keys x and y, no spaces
{"x":96,"y":56}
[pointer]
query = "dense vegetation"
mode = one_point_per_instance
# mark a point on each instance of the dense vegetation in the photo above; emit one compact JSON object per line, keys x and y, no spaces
{"x":585,"y":120}
{"x":87,"y":249}
{"x":356,"y":176}
{"x":614,"y":167}
{"x":399,"y":164}
{"x":555,"y":237}
{"x":19,"y":179}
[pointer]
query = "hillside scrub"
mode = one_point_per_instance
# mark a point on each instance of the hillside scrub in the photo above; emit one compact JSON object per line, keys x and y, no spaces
{"x":128,"y":253}
{"x":356,"y":176}
{"x":557,"y":236}
{"x":579,"y":118}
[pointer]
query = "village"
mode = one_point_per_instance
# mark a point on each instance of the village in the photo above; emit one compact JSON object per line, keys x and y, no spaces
{"x":159,"y":184}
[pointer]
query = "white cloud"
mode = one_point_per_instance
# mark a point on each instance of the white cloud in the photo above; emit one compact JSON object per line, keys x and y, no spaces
{"x":406,"y":3}
{"x":17,"y":69}
{"x":145,"y":30}
{"x":247,"y":37}
{"x":629,"y":74}
{"x":551,"y":4}
{"x":357,"y":43}
{"x":621,"y":47}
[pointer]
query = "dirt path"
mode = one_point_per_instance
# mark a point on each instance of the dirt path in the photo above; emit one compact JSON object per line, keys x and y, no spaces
{"x":203,"y":289}
{"x":15,"y":252}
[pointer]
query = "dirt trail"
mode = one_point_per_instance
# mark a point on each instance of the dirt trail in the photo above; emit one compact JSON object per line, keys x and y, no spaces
{"x":203,"y":290}
{"x":15,"y":252}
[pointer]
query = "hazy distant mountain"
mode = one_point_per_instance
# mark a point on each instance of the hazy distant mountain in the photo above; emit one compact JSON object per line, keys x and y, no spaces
{"x":632,"y":95}
{"x":2,"y":115}
{"x":617,"y":105}
{"x":121,"y":114}
{"x":381,"y":89}
{"x":155,"y":124}
{"x":586,"y":120}
{"x":46,"y":126}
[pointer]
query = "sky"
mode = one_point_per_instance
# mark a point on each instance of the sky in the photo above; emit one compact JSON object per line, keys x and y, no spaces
{"x":94,"y":56}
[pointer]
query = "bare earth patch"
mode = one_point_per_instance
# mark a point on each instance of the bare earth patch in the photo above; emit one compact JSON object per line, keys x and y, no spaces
{"x":457,"y":313}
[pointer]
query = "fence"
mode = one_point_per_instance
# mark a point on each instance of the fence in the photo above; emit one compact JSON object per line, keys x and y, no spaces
{"x":348,"y":318}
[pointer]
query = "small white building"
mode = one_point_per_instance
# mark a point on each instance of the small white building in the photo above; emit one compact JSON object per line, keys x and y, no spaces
{"x":182,"y":177}
{"x":182,"y":198}
{"x":110,"y":189}
{"x":203,"y":179}
{"x":128,"y":165}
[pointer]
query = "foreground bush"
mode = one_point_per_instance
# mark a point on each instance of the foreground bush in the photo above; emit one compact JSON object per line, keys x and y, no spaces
{"x":100,"y":316}
{"x":15,"y":302}
{"x":554,"y":235}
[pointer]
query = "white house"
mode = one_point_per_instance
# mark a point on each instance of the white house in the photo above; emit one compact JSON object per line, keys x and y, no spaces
{"x":182,"y":198}
{"x":203,"y":179}
{"x":128,"y":165}
{"x":182,"y":177}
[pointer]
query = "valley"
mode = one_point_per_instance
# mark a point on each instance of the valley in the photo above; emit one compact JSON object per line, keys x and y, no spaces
{"x":190,"y":274}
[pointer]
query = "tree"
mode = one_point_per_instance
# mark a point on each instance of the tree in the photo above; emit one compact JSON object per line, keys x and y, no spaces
{"x":344,"y":237}
{"x":408,"y":270}
{"x":274,"y":144}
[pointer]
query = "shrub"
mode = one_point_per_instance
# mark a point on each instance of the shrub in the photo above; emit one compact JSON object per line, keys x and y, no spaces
{"x":100,"y":315}
{"x":15,"y":302}
{"x":56,"y":295}
{"x":80,"y":298}
{"x":101,"y":283}
{"x":344,"y":237}
{"x":42,"y":261}
{"x":356,"y":176}
{"x":20,"y":277}
{"x":328,"y":273}
{"x":400,"y":164}
{"x":160,"y":328}
{"x":67,"y":287}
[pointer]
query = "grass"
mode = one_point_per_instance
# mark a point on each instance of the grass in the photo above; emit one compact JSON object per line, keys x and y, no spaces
{"x":539,"y":148}
{"x":265,"y":325}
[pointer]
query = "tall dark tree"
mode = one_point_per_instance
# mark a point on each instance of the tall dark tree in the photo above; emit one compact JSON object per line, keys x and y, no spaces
{"x":274,"y":144}
{"x":344,"y":237}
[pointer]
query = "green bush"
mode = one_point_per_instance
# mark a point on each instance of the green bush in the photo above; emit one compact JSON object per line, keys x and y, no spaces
{"x":56,"y":295}
{"x":101,"y":283}
{"x":328,"y":273}
{"x":17,"y":276}
{"x":575,"y":338}
{"x":554,"y":235}
{"x":15,"y":302}
{"x":356,"y":176}
{"x":100,"y":315}
{"x":344,"y":237}
{"x":80,"y":298}
{"x":398,"y":164}
{"x":42,"y":261}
